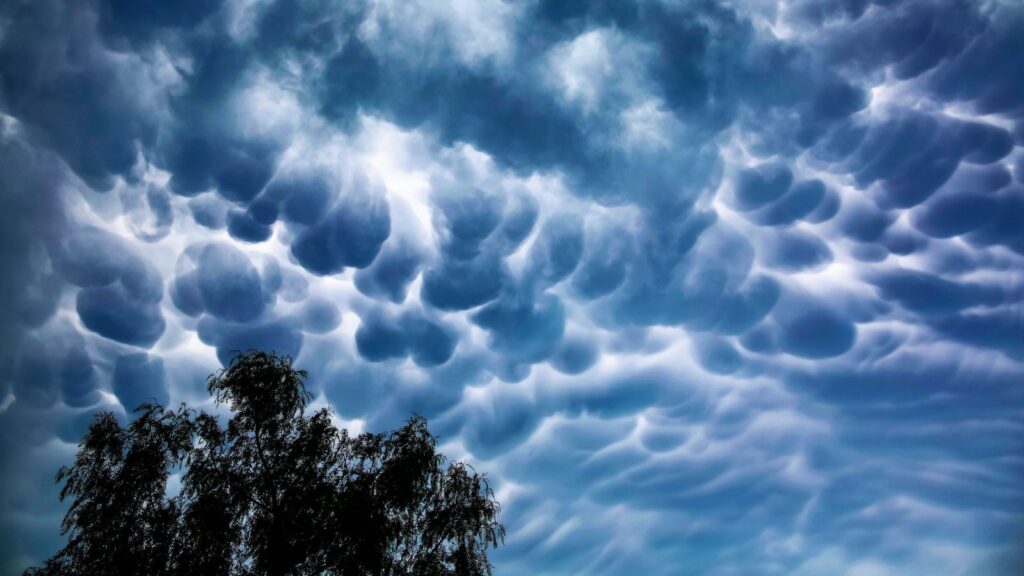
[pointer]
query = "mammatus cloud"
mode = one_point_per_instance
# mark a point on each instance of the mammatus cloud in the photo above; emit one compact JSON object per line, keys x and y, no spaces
{"x":705,"y":288}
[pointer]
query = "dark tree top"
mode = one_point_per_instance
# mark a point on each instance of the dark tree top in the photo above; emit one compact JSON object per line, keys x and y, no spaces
{"x":276,"y":491}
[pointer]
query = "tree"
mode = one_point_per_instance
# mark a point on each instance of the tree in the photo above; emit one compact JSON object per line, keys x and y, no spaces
{"x":274,"y":492}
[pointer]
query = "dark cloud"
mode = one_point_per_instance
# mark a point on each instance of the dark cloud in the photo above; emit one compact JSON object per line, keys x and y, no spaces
{"x":243,"y":226}
{"x":476,"y":231}
{"x":955,"y":214}
{"x":704,"y":291}
{"x":801,"y":201}
{"x":869,"y":253}
{"x":351,"y":234}
{"x":352,"y":79}
{"x":58,"y":368}
{"x":391,"y":273}
{"x":828,"y":208}
{"x":263,"y":211}
{"x":241,"y":171}
{"x":1001,"y":228}
{"x":574,"y":355}
{"x":462,"y":284}
{"x":381,"y":337}
{"x":557,"y":250}
{"x":616,"y":397}
{"x":294,"y":286}
{"x":34,"y":214}
{"x":90,"y":257}
{"x":120,"y":291}
{"x":457,"y":104}
{"x":718,"y":355}
{"x":903,"y":242}
{"x":684,"y":43}
{"x":864,"y":222}
{"x":604,"y":263}
{"x":83,"y":100}
{"x":504,"y":422}
{"x":320,"y":316}
{"x":523,"y":329}
{"x":272,"y":276}
{"x":137,"y":379}
{"x":567,"y":13}
{"x":763,"y":339}
{"x":304,"y":199}
{"x":520,"y":217}
{"x":77,"y":375}
{"x":237,"y":169}
{"x":990,"y":329}
{"x":120,"y":313}
{"x":913,"y":154}
{"x":816,"y":333}
{"x":228,"y":284}
{"x":986,"y":74}
{"x":209,"y":211}
{"x":928,"y":294}
{"x":186,"y":295}
{"x":794,"y":251}
{"x":282,"y":336}
{"x":983,"y":178}
{"x":910,"y":38}
{"x":465,"y":217}
{"x":137,"y":20}
{"x":758,"y":186}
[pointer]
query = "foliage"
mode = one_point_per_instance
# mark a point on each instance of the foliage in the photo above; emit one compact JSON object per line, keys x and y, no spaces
{"x":274,"y":492}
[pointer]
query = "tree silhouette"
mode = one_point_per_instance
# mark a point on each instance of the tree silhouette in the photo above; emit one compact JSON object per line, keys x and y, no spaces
{"x":274,"y":492}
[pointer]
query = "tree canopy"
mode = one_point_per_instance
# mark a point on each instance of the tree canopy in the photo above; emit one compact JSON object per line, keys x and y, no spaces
{"x":275,"y":491}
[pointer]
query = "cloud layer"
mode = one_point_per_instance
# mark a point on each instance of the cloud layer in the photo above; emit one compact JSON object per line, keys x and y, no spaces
{"x":706,"y":288}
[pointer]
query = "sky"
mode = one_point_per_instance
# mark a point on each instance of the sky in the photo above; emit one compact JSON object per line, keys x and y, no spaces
{"x":720,"y":288}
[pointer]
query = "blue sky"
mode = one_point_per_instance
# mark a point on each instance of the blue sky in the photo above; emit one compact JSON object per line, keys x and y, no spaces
{"x":706,"y":287}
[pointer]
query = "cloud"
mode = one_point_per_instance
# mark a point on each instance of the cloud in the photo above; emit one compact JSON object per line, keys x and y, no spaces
{"x":761,"y":185}
{"x":804,"y":200}
{"x":603,"y":264}
{"x":150,"y":212}
{"x":351,"y":234}
{"x":719,"y":288}
{"x":120,"y":291}
{"x":209,"y":211}
{"x":89,"y":104}
{"x":245,"y":227}
{"x":575,"y":355}
{"x":118,"y":313}
{"x":794,"y":251}
{"x":391,"y":272}
{"x":521,"y":329}
{"x":928,"y":294}
{"x":304,"y":199}
{"x":463,"y":284}
{"x":320,"y":315}
{"x":557,"y":250}
{"x":381,"y":338}
{"x":228,"y":283}
{"x":139,"y":378}
{"x":60,"y":365}
{"x":278,"y":335}
{"x":817,"y":334}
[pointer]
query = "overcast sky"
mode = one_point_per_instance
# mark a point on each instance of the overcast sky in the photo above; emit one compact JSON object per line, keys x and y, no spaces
{"x":719,"y":288}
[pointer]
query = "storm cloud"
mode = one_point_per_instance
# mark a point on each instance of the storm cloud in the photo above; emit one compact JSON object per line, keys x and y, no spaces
{"x":709,"y":288}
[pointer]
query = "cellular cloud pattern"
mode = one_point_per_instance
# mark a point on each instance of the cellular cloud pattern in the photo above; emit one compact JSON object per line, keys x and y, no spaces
{"x":707,"y":288}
